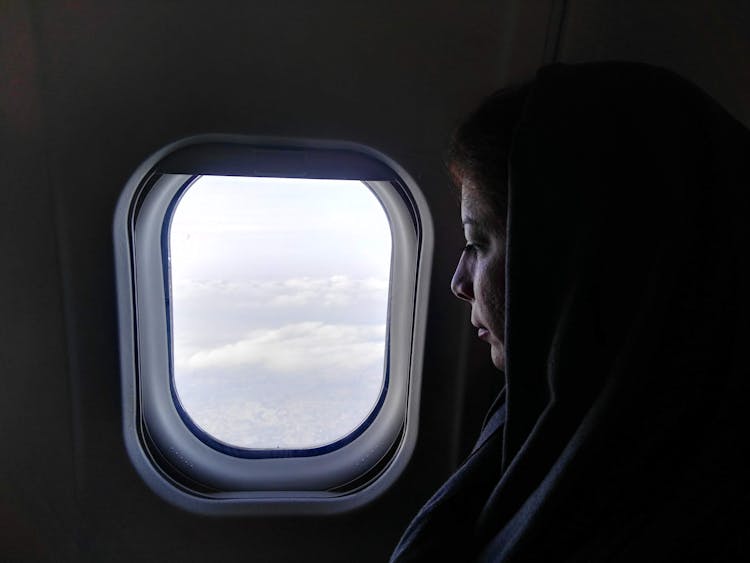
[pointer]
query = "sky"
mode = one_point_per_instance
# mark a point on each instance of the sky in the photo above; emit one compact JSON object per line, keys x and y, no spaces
{"x":279,"y":307}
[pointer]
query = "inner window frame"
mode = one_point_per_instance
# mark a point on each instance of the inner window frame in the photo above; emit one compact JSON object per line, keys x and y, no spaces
{"x":263,"y":453}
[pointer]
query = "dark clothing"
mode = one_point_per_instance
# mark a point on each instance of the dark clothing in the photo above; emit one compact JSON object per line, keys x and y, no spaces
{"x":628,"y":317}
{"x":453,"y":509}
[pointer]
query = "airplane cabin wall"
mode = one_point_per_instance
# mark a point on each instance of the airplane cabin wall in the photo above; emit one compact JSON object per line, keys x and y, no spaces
{"x":706,"y":42}
{"x":89,"y":89}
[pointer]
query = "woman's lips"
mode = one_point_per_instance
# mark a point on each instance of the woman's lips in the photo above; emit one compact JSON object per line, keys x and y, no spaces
{"x":483,"y":333}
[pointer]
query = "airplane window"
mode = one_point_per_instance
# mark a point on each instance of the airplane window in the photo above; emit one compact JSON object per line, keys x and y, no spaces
{"x":279,"y":299}
{"x":272,"y":301}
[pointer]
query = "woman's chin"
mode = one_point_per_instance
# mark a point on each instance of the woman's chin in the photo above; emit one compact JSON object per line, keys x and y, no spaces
{"x":497,"y":354}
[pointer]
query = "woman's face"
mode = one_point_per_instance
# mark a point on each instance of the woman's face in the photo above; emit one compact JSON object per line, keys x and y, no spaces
{"x":480,"y":275}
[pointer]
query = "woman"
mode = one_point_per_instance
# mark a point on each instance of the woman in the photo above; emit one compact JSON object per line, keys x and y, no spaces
{"x":605,"y":208}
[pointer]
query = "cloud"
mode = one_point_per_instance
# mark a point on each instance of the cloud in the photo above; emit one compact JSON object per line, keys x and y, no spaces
{"x":291,"y":363}
{"x":306,"y":347}
{"x":335,"y":291}
{"x":300,"y":385}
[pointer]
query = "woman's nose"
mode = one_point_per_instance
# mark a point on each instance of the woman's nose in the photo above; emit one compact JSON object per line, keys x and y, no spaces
{"x":461,"y":284}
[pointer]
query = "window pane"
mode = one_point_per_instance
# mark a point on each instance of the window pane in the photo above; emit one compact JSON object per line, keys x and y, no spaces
{"x":279,"y":305}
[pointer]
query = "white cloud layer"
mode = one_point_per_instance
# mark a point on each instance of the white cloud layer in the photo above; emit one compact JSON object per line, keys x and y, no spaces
{"x":310,"y":346}
{"x":300,"y":385}
{"x":338,"y":290}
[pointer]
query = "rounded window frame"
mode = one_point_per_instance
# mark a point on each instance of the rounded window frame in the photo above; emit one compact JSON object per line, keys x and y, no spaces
{"x":179,"y":464}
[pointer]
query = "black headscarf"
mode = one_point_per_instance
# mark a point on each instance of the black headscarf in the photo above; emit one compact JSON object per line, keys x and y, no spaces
{"x":622,"y":430}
